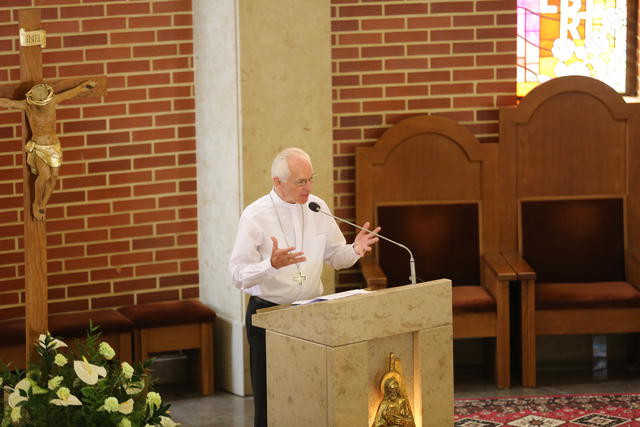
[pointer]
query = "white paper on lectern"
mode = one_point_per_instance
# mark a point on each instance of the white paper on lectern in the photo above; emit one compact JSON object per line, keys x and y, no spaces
{"x":337,"y":295}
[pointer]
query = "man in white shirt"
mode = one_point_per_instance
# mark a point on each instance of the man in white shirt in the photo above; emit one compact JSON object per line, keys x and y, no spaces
{"x":279,"y":251}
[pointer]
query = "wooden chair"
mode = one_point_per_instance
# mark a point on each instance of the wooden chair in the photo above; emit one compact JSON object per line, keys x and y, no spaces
{"x":432,"y":186}
{"x":570,"y":218}
{"x":169,"y":326}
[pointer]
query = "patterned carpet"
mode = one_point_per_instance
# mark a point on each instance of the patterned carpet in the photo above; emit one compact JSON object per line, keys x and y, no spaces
{"x":601,"y":410}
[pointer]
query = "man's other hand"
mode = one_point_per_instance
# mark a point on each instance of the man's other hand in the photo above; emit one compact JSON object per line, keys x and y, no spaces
{"x":283,"y":257}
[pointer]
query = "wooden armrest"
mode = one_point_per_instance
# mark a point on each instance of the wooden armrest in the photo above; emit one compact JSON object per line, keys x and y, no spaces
{"x":499,"y":266}
{"x":519,"y":265}
{"x":374,"y":277}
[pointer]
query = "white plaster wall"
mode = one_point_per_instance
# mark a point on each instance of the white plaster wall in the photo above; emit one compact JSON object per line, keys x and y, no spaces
{"x":218,"y":142}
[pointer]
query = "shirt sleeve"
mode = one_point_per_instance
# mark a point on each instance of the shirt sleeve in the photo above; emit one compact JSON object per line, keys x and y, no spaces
{"x":337,"y":252}
{"x":246,"y":264}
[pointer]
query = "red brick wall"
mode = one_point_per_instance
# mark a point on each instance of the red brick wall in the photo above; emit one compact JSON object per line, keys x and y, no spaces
{"x":396,"y":59}
{"x":122,"y":223}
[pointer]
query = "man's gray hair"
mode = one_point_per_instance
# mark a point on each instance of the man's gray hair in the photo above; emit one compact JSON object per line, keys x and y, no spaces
{"x":280,"y":165}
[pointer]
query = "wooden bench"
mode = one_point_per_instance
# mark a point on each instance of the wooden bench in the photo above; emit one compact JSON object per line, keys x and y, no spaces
{"x":172,"y":326}
{"x":115,"y":329}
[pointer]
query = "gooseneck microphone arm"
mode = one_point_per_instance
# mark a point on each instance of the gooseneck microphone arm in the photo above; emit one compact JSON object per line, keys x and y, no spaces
{"x":412,"y":264}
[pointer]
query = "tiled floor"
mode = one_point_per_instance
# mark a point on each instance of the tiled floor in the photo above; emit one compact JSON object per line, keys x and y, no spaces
{"x":226,"y":410}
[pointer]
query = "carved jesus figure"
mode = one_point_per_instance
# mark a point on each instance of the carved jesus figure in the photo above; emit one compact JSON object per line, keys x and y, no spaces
{"x":44,"y":154}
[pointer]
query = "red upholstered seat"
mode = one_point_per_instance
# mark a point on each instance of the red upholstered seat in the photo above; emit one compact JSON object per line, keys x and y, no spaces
{"x":72,"y":325}
{"x":168,"y":313}
{"x":114,"y":328}
{"x":75,"y":325}
{"x":586,"y":295}
{"x":472,"y":299}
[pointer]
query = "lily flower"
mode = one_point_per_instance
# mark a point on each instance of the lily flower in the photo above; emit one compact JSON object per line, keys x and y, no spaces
{"x":54,"y":382}
{"x":168,"y":422}
{"x":54,"y":343}
{"x":66,"y":398}
{"x":87,"y":372}
{"x":15,"y":397}
{"x":16,"y":414}
{"x":36,"y":389}
{"x":134,"y":387}
{"x":125,"y":408}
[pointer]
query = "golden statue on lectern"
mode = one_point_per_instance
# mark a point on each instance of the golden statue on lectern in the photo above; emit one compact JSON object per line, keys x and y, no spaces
{"x":394,"y":410}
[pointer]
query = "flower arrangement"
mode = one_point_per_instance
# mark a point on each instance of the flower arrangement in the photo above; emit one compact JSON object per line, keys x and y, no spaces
{"x":87,"y":387}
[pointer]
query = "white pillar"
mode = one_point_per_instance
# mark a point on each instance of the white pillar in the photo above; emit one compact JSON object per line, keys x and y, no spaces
{"x":219,"y":165}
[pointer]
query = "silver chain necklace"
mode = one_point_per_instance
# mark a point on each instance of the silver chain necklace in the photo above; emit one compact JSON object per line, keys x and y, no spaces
{"x":298,"y":277}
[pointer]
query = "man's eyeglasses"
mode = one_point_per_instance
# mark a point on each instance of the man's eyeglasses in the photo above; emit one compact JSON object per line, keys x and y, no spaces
{"x":303,"y":181}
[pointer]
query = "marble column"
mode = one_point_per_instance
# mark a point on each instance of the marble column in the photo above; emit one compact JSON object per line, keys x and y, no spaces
{"x":263,"y":82}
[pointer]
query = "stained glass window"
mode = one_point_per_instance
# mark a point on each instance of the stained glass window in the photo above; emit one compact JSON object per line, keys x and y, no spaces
{"x":571,"y":37}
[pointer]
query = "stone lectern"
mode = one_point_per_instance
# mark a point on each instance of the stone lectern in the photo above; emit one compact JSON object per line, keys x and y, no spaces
{"x":325,"y":360}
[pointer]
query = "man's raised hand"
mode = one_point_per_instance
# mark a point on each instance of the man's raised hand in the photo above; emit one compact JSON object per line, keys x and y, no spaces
{"x":283,"y":257}
{"x":364,"y":240}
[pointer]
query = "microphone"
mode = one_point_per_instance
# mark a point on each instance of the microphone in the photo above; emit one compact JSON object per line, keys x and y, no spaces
{"x":412,"y":264}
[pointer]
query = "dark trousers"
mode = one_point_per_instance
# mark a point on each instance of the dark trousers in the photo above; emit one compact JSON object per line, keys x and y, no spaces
{"x":258,"y":355}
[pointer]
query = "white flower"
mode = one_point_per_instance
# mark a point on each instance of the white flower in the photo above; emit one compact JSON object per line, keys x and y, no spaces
{"x":106,"y":351}
{"x":125,"y":408}
{"x":60,"y":360}
{"x":54,"y":382}
{"x":127,"y":370}
{"x":124,"y":423}
{"x":110,"y":404}
{"x":167,"y":422}
{"x":134,"y":388}
{"x":65,"y":398}
{"x":15,"y":397}
{"x":153,"y":399}
{"x":53,"y":344}
{"x":36,"y":389}
{"x":87,"y":372}
{"x":16,"y":414}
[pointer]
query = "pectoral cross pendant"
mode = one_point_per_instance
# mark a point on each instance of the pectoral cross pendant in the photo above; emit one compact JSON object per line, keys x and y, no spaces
{"x":299,"y":278}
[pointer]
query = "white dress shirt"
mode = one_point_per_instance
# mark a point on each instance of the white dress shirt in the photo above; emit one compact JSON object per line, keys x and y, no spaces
{"x":313,"y":233}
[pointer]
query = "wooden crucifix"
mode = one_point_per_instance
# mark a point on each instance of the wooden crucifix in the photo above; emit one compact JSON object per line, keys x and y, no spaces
{"x":42,"y":158}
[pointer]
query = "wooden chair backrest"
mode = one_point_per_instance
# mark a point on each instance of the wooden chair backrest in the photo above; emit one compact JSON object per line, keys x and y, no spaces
{"x":570,"y":153}
{"x":574,"y":240}
{"x":431,"y":185}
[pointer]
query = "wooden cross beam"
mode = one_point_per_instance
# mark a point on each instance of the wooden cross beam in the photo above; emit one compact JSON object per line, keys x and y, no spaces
{"x":35,"y":249}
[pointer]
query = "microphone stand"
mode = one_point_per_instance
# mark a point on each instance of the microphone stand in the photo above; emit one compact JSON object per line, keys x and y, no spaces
{"x":412,"y":263}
